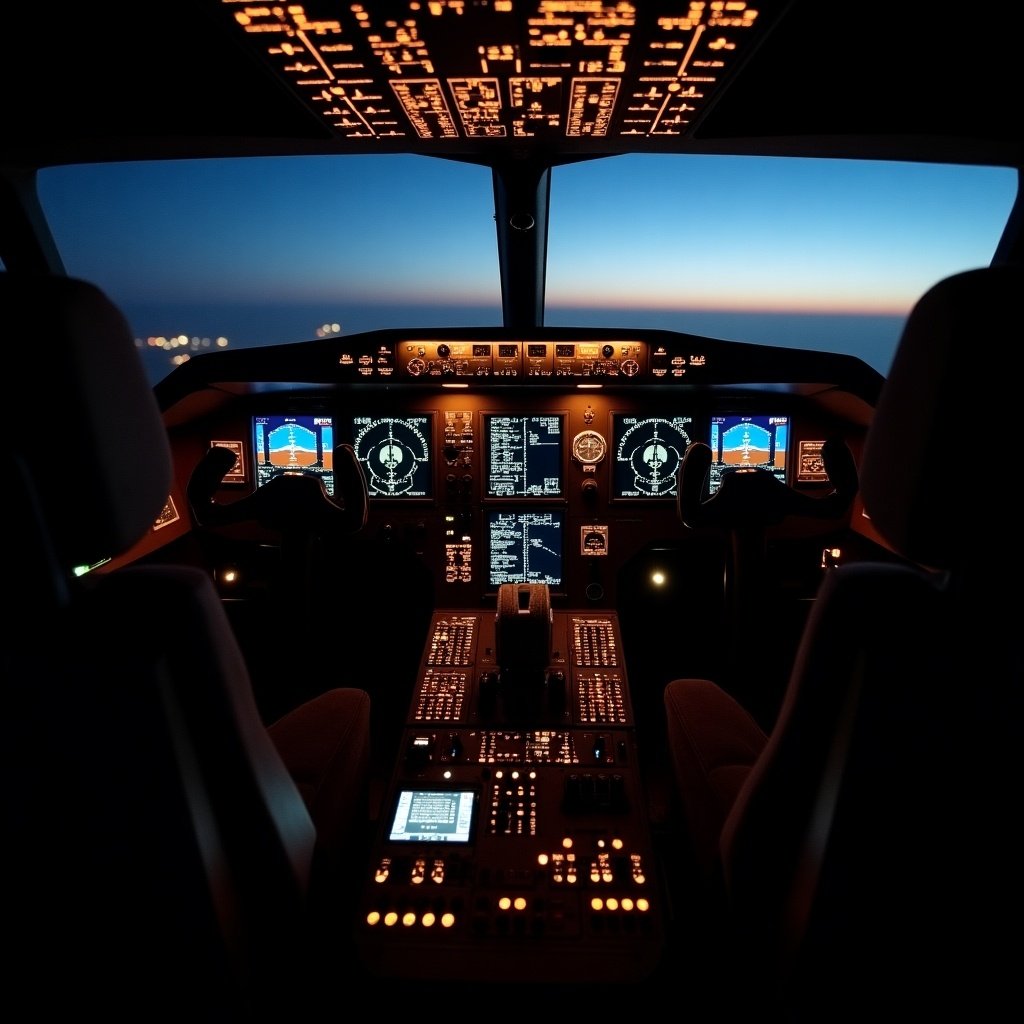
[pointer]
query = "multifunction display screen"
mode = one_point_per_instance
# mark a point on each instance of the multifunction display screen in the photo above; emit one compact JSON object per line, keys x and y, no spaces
{"x":524,"y":547}
{"x":646,"y":453}
{"x":433,"y":816}
{"x":524,"y":456}
{"x":395,"y":453}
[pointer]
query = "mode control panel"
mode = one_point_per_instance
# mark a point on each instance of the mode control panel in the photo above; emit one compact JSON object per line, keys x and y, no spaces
{"x":624,"y":359}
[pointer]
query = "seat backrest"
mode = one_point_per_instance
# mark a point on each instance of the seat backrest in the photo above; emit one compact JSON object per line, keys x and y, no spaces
{"x":874,"y":845}
{"x":160,"y":853}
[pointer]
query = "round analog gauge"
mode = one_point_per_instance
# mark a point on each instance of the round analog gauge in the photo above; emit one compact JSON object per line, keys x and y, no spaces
{"x":589,"y":447}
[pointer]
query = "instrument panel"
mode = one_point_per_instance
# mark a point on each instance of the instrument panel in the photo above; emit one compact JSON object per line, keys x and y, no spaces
{"x":556,"y":486}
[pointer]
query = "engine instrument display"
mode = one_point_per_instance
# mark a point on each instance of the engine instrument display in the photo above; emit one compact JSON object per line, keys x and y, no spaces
{"x":648,"y":450}
{"x":395,"y":455}
{"x":524,"y":455}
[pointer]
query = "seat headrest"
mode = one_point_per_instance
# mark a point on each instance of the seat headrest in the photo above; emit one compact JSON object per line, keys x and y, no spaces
{"x":93,"y":440}
{"x":935,"y":473}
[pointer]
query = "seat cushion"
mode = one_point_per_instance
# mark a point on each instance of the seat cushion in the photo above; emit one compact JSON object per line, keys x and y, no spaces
{"x":714,"y":742}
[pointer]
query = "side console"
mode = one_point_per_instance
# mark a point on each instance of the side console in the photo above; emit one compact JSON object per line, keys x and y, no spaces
{"x":514,"y":841}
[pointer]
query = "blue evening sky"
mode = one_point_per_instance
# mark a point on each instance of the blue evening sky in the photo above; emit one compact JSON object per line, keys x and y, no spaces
{"x":263,"y":251}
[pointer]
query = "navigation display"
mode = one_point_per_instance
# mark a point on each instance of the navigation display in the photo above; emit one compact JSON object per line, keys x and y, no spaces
{"x":524,"y":547}
{"x":745,"y":443}
{"x":523,"y":455}
{"x":294,"y":444}
{"x":396,"y":455}
{"x":646,"y":453}
{"x":433,"y":816}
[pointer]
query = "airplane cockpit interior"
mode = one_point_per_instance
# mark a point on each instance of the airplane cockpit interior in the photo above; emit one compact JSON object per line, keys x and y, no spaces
{"x":542,"y":647}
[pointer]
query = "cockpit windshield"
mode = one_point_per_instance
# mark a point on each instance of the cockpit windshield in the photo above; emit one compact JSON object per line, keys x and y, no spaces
{"x":827,"y":255}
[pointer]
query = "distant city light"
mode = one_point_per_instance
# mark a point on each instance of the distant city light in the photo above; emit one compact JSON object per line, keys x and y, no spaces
{"x":181,"y":347}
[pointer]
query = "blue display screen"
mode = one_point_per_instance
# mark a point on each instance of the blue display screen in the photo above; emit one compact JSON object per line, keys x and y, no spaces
{"x":740,"y":442}
{"x":293,"y":444}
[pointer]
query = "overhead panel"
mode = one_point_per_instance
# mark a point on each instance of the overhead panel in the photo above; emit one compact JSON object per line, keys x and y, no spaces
{"x":571,"y":71}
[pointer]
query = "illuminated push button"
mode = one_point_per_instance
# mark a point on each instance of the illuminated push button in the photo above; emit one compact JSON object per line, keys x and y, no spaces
{"x":390,"y":919}
{"x":520,"y":903}
{"x":447,"y":920}
{"x":373,"y":918}
{"x":428,"y":920}
{"x":596,"y":904}
{"x":504,"y":903}
{"x":408,"y":919}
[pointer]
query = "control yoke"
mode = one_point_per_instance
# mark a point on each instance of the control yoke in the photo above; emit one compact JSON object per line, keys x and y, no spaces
{"x":288,"y":502}
{"x":746,"y":503}
{"x":752,"y":498}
